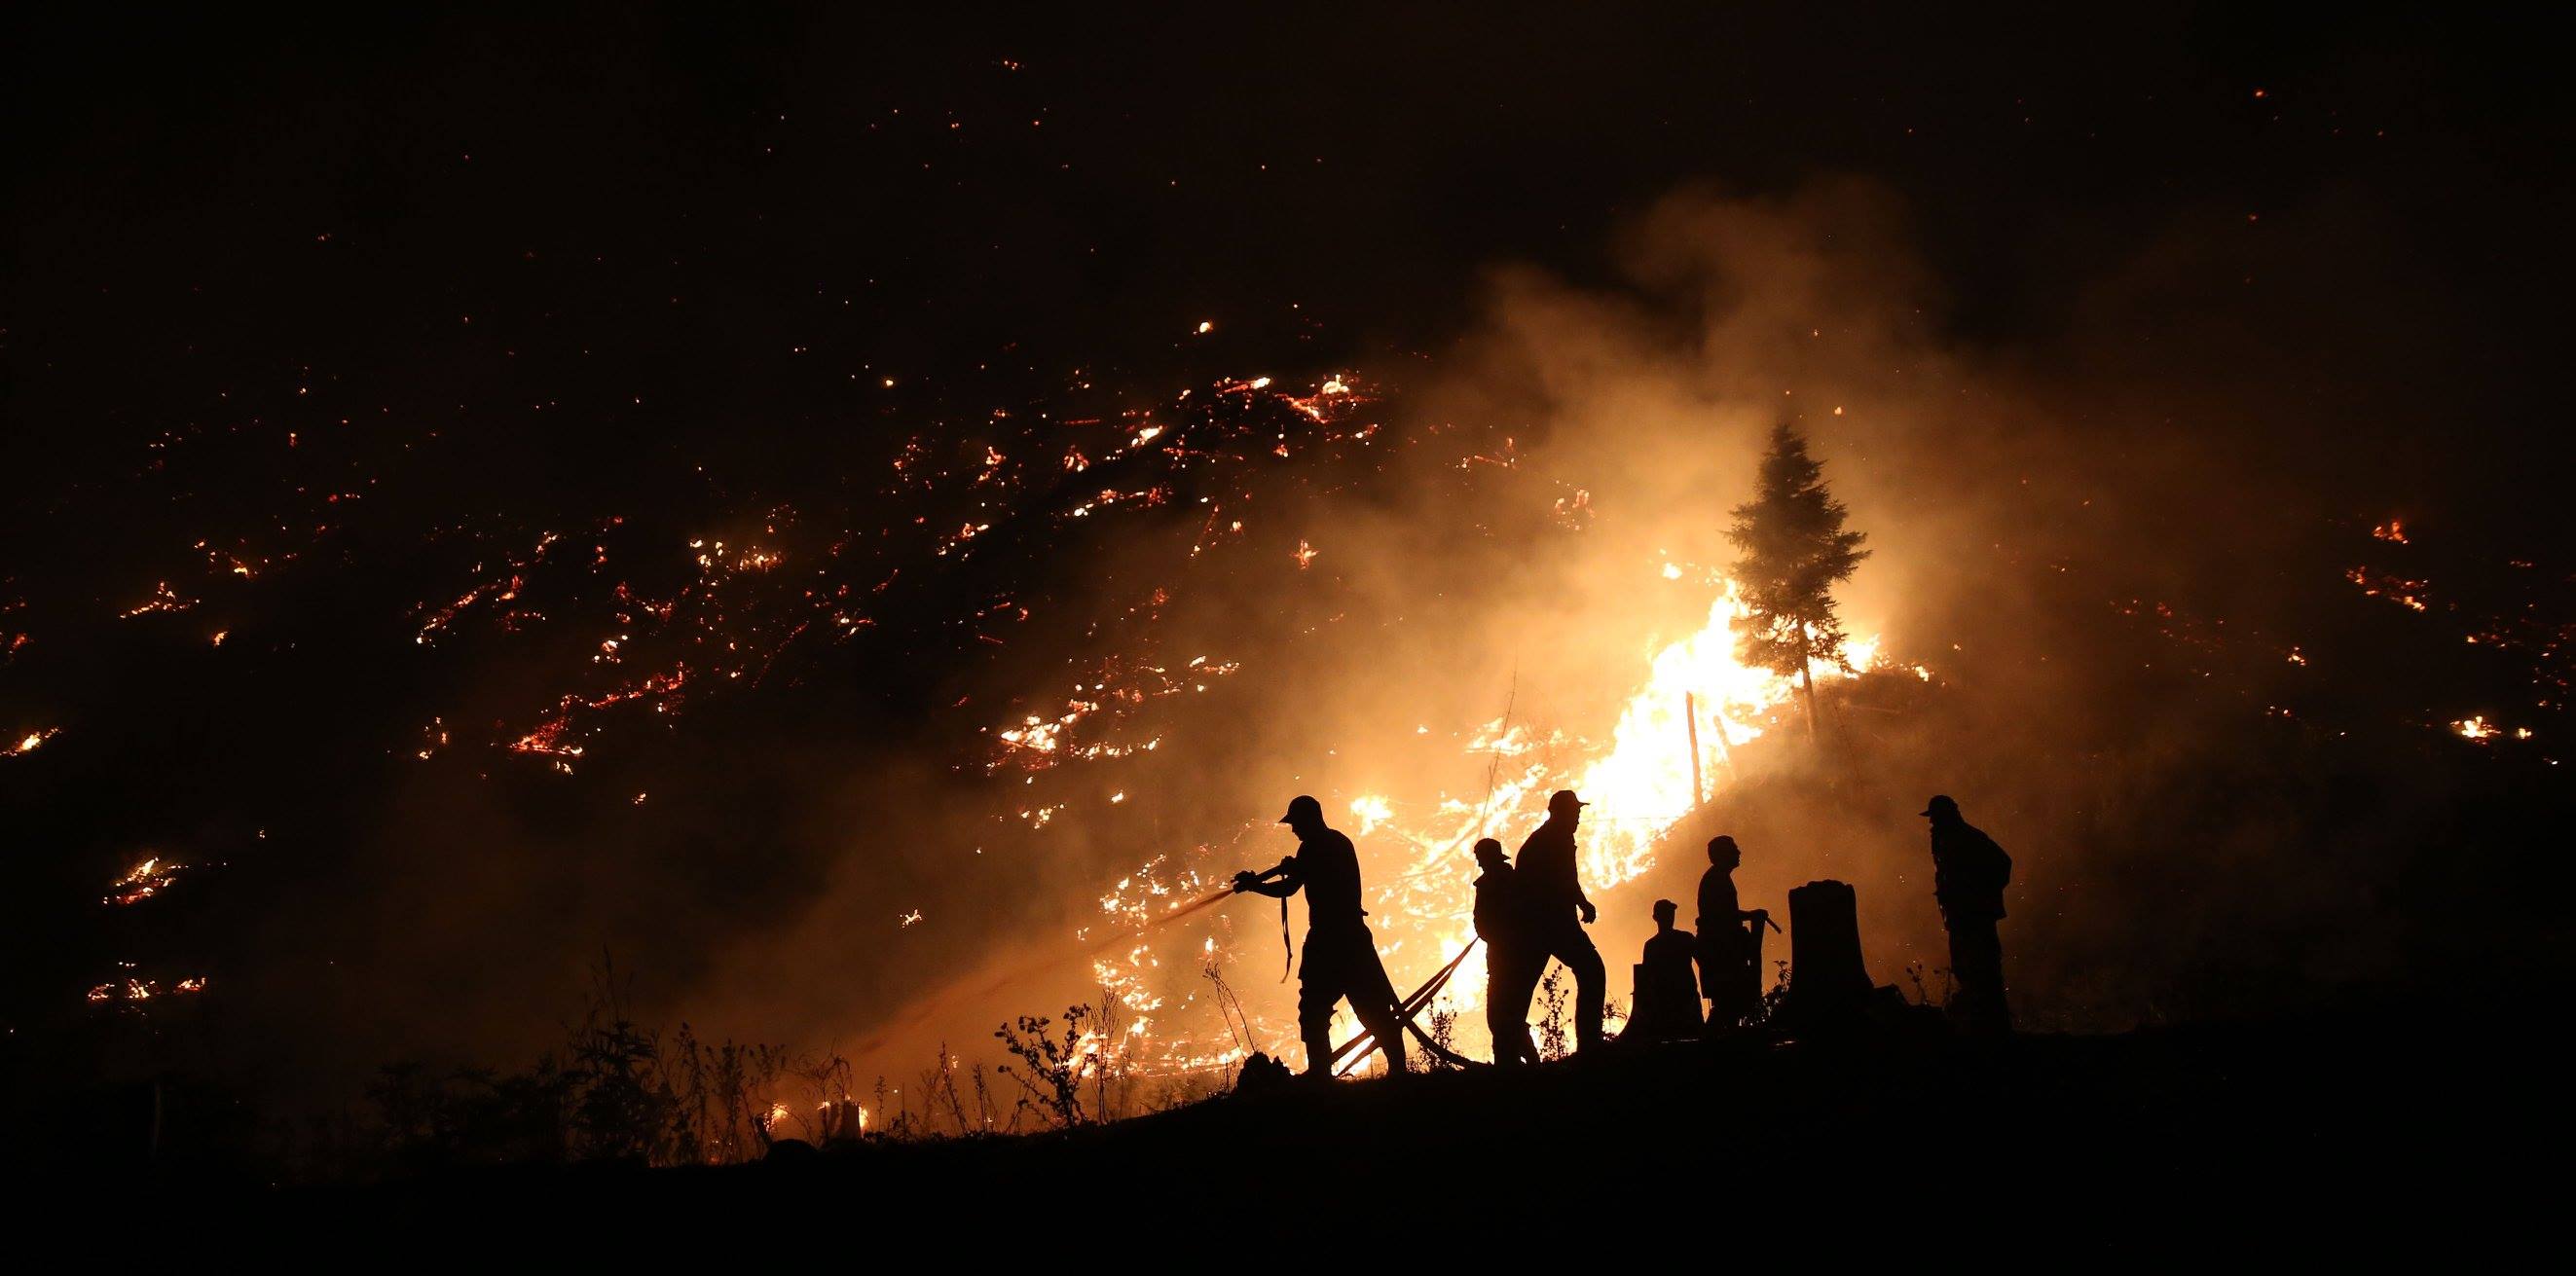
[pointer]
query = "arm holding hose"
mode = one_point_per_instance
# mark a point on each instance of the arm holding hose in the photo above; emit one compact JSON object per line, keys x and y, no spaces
{"x":1278,"y":882}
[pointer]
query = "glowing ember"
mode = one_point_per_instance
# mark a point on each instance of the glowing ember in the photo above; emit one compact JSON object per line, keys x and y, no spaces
{"x":141,"y":882}
{"x":29,"y":742}
{"x":2478,"y":730}
{"x":163,"y":599}
{"x":132,"y":990}
{"x":2397,"y":589}
{"x":1040,"y":742}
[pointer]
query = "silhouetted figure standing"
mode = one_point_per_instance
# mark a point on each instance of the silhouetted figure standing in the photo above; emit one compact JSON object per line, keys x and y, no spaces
{"x":1969,"y":873}
{"x":1503,"y":922}
{"x":1555,"y":891}
{"x":1730,"y":940}
{"x":1341,"y":955}
{"x":1666,"y":1007}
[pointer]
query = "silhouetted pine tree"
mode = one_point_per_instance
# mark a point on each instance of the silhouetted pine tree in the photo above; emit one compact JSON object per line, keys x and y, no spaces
{"x":1795,"y":552}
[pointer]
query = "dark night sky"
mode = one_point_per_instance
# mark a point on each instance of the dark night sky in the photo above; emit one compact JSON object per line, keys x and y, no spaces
{"x":542,"y":270}
{"x":895,"y":192}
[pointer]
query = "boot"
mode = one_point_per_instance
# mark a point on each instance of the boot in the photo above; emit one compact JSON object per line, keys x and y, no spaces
{"x":1319,"y":1055}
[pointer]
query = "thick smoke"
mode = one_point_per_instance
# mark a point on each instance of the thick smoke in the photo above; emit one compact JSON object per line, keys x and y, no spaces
{"x":2095,"y":553}
{"x":2090,"y":567}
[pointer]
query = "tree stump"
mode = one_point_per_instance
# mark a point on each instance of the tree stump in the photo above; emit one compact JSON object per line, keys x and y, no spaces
{"x":1828,"y":984}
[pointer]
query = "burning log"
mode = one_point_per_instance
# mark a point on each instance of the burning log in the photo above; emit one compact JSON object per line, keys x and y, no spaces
{"x":843,"y":1122}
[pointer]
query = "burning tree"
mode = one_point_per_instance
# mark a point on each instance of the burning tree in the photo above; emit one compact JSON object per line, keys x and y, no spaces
{"x":1795,"y":552}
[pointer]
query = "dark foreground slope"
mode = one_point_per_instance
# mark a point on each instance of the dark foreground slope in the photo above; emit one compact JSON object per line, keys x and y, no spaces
{"x":2332,"y":1134}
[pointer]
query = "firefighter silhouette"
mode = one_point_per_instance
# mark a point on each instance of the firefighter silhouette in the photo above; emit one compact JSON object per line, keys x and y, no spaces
{"x":1341,"y":955}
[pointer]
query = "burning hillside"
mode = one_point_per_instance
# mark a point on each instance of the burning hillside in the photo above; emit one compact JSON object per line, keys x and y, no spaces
{"x":1073,"y":647}
{"x":868,"y":552}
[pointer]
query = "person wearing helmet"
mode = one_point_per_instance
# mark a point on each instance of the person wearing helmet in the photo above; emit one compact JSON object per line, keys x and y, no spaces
{"x":1552,"y":883}
{"x":1969,"y":873}
{"x":1341,"y":955}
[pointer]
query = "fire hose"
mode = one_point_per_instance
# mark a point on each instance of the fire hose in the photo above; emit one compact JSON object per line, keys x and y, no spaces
{"x":1209,"y":901}
{"x":1287,"y":950}
{"x":1405,"y":1011}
